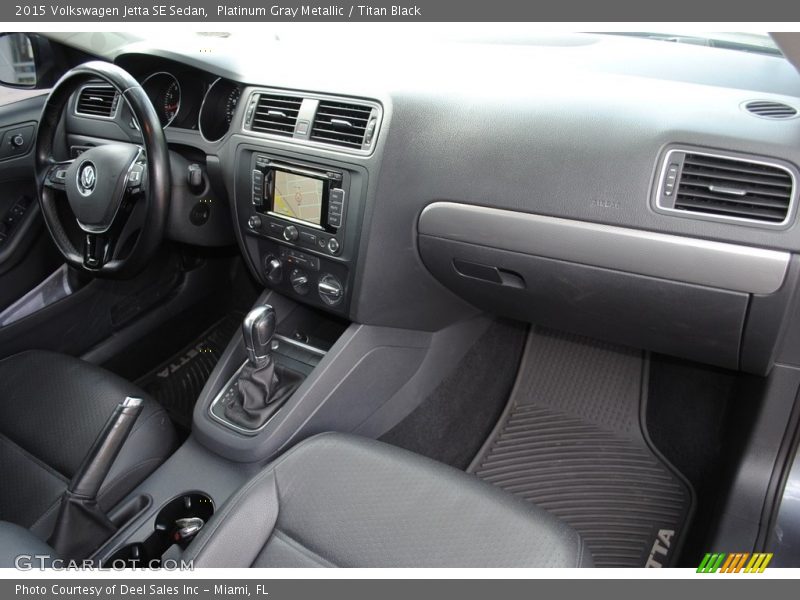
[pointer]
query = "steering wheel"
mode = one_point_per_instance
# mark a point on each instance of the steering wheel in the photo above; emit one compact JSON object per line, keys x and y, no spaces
{"x":116,"y":193}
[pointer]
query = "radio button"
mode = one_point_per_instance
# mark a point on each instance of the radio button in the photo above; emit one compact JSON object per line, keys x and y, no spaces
{"x":335,"y":220}
{"x":336,"y":195}
{"x":290,"y":233}
{"x":308,"y":238}
{"x":276,"y":229}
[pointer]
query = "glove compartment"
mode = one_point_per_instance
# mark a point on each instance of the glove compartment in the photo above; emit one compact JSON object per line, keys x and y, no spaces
{"x":680,"y":296}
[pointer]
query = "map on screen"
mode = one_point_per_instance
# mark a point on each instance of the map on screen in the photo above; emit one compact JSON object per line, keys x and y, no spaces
{"x":297,"y":196}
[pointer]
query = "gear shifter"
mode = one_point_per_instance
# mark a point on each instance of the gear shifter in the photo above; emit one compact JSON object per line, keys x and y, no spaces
{"x":258,"y":328}
{"x":262,"y":385}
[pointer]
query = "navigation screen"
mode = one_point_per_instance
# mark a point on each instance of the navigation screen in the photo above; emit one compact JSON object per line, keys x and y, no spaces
{"x":298,"y":197}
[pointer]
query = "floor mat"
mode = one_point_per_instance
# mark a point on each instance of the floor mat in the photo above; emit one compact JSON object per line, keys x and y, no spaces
{"x":176,"y":383}
{"x":571,"y":440}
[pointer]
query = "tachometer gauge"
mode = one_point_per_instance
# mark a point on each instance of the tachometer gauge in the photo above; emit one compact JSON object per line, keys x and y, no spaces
{"x":164,"y":92}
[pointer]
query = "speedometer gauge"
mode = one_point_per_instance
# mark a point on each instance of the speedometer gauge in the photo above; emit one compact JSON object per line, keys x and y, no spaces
{"x":219,"y":109}
{"x":230,"y":104}
{"x":164,"y":92}
{"x":172,"y":101}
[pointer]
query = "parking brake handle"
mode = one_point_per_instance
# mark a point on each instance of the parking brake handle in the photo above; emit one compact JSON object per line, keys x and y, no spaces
{"x":82,"y":526}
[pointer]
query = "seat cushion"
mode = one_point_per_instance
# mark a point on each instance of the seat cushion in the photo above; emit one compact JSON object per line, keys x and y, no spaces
{"x":339,"y":500}
{"x":52,"y":408}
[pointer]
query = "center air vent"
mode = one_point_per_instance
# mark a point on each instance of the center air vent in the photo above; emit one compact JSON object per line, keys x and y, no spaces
{"x":724,"y":187}
{"x":344,"y":124}
{"x":771,"y":110}
{"x":275,"y":114}
{"x":97,"y":101}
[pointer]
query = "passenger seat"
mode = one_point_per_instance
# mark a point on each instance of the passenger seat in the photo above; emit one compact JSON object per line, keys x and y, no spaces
{"x":337,"y":500}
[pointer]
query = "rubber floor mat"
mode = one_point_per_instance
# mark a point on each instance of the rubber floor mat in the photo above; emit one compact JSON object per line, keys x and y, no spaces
{"x":176,"y":383}
{"x":572,"y":441}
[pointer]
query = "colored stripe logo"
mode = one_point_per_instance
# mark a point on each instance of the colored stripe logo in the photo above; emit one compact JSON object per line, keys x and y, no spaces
{"x":737,"y":562}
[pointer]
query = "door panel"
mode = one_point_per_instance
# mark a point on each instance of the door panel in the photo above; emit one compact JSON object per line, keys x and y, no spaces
{"x":26,"y":254}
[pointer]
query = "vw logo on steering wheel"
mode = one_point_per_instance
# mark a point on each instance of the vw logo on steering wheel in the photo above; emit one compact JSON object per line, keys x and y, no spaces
{"x":87,"y":177}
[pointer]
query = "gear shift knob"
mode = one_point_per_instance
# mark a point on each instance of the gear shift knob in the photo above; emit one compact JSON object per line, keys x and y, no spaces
{"x":258,"y":328}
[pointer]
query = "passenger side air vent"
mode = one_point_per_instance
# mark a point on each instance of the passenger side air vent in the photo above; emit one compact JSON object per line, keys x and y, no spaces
{"x":344,"y":124}
{"x":771,"y":110}
{"x":725,"y":187}
{"x":275,"y":114}
{"x":97,"y":101}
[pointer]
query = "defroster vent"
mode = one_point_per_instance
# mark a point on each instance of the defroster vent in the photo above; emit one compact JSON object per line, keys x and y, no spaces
{"x":724,"y":187}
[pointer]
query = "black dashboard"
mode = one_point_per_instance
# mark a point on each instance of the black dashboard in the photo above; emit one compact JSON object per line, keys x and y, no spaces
{"x":559,"y":182}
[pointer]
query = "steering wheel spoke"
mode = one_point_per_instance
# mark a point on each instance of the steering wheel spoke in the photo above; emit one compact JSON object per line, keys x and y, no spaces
{"x":56,"y":176}
{"x":97,"y":250}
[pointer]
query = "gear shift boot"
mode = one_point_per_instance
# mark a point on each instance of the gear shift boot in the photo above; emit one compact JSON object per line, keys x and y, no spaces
{"x":259,"y":393}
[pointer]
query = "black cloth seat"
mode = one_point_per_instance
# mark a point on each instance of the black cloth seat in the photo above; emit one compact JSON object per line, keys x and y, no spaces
{"x":339,"y":500}
{"x":52,"y":407}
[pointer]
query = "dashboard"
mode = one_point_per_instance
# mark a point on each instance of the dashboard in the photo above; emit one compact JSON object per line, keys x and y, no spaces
{"x":559,"y":182}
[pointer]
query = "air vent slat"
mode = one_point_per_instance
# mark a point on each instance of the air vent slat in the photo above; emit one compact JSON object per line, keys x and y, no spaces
{"x":771,"y":110}
{"x":741,"y":191}
{"x":97,"y":102}
{"x":761,"y":214}
{"x":755,"y":180}
{"x":341,"y":124}
{"x":736,"y":166}
{"x":747,"y":199}
{"x":276,"y":114}
{"x":733,"y":188}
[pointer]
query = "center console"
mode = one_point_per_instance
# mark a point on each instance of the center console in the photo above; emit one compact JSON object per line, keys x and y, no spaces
{"x":299,"y":220}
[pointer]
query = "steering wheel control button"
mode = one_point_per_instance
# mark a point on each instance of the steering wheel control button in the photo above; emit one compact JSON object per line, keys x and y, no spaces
{"x":330,"y":290}
{"x":254,"y":223}
{"x":333,"y":246}
{"x":135,"y":176}
{"x":290,"y":233}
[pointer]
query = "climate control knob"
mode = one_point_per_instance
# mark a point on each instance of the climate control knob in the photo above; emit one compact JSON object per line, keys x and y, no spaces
{"x":274,"y":269}
{"x":300,"y":281}
{"x":330,"y":290}
{"x":290,"y":233}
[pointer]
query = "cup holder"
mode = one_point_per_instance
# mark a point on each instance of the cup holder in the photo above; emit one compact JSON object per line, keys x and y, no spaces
{"x":167,"y":535}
